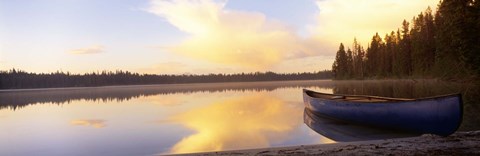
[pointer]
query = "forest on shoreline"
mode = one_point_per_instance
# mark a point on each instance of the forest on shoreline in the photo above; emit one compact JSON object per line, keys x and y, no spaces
{"x":18,"y":79}
{"x":444,"y":44}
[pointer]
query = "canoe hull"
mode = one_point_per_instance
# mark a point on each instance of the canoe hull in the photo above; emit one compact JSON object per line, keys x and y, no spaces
{"x":341,"y":131}
{"x":439,"y":115}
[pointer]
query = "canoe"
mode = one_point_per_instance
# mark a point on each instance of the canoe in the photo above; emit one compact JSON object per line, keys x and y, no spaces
{"x":440,"y":115}
{"x":341,"y":131}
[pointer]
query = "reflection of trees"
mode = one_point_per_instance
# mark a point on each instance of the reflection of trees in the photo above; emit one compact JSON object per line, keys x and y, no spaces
{"x":397,"y":88}
{"x":417,"y":89}
{"x":19,"y":99}
{"x":388,"y":88}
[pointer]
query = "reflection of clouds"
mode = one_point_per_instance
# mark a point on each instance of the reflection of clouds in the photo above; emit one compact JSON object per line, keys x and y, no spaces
{"x":17,"y":100}
{"x":244,"y":122}
{"x":92,"y":123}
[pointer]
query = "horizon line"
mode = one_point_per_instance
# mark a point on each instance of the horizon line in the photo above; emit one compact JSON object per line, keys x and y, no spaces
{"x":127,"y":71}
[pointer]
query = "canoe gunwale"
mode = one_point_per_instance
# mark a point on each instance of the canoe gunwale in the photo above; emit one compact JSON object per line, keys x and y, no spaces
{"x":388,"y":99}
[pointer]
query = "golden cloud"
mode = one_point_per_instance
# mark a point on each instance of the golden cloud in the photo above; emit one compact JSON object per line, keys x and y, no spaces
{"x":165,"y":68}
{"x":88,"y":50}
{"x":250,"y":40}
{"x":342,"y":20}
{"x":91,"y":123}
{"x":243,"y":122}
{"x":229,"y":37}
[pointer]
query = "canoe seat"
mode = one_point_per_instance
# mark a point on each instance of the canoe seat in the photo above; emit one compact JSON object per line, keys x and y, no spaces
{"x":338,"y":97}
{"x":358,"y":99}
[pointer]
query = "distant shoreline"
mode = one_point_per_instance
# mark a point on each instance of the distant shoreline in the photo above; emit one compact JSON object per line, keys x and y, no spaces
{"x":19,"y":79}
{"x":261,"y":83}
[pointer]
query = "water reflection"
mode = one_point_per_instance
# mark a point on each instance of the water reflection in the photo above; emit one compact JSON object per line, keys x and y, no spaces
{"x":15,"y":99}
{"x":252,"y":121}
{"x":344,"y":132}
{"x":146,"y":120}
{"x":389,"y":88}
{"x":89,"y":123}
{"x":398,"y":88}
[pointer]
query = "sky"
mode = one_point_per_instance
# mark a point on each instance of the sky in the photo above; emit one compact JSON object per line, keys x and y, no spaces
{"x":190,"y":36}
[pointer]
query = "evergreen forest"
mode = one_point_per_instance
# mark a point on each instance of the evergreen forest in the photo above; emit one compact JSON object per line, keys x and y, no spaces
{"x":443,"y":44}
{"x":18,"y":79}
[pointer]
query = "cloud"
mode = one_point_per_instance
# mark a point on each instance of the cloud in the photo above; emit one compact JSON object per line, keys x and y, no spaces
{"x":88,"y":50}
{"x":169,"y":100}
{"x":307,"y":64}
{"x":166,"y":68}
{"x":190,"y":66}
{"x":92,"y":123}
{"x":251,"y":41}
{"x":342,"y":20}
{"x":229,"y":37}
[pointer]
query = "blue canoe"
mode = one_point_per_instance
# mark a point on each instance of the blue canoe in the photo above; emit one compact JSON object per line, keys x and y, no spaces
{"x":441,"y":115}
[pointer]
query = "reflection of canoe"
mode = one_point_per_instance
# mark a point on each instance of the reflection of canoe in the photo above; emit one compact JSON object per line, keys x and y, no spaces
{"x":341,"y":131}
{"x":437,"y":115}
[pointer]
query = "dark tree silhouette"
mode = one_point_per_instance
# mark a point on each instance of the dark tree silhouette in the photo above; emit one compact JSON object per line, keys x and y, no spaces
{"x":17,"y":79}
{"x":446,"y":45}
{"x":340,"y":65}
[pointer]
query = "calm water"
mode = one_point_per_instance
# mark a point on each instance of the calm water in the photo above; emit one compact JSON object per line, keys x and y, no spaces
{"x":162,"y":119}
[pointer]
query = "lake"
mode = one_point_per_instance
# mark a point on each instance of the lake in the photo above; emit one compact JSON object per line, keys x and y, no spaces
{"x":185,"y":118}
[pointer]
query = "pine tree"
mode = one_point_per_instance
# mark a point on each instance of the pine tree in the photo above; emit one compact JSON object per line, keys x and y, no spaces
{"x":349,"y":64}
{"x":418,"y":44}
{"x":473,"y":35}
{"x":339,"y":67}
{"x":457,"y":35}
{"x":359,"y":57}
{"x":405,"y":50}
{"x":374,"y":55}
{"x":429,"y":33}
{"x":390,"y":43}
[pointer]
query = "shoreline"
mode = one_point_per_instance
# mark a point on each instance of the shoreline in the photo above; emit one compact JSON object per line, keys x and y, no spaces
{"x":265,"y":83}
{"x":459,"y":143}
{"x":260,"y":83}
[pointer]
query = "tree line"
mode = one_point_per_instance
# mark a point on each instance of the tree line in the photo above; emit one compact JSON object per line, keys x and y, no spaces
{"x":444,"y":44}
{"x":18,"y":79}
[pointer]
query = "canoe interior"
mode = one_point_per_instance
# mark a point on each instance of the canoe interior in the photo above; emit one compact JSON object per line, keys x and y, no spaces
{"x":354,"y":98}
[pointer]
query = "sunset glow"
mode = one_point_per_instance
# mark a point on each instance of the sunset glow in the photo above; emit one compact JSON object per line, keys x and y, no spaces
{"x":245,"y":122}
{"x":191,"y":36}
{"x":89,"y":123}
